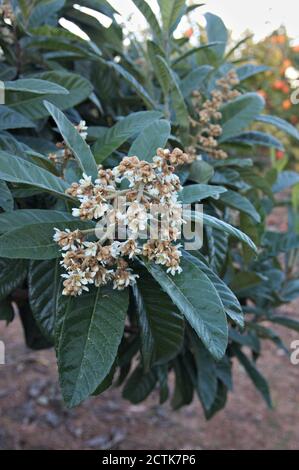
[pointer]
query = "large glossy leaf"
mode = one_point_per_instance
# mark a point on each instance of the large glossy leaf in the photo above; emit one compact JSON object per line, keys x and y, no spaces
{"x":170,"y":12}
{"x":285,"y":180}
{"x":149,"y":15}
{"x":89,"y":331}
{"x":20,"y":218}
{"x":12,"y":273}
{"x":257,"y":138}
{"x":286,"y":321}
{"x":161,"y":324}
{"x":44,"y":11}
{"x":248,"y":70}
{"x":31,"y":105}
{"x":35,"y":240}
{"x":197,"y":298}
{"x":281,"y":124}
{"x":12,"y":119}
{"x":139,"y":385}
{"x":150,"y":139}
{"x":230,"y":302}
{"x":224,"y":226}
{"x":17,"y":170}
{"x":43,"y":282}
{"x":197,"y":192}
{"x":37,"y":86}
{"x":194,"y":80}
{"x":216,"y":31}
{"x":6,"y":199}
{"x":241,"y":203}
{"x":74,"y":141}
{"x":201,"y":171}
{"x":131,"y":80}
{"x":114,"y":137}
{"x":256,"y":377}
{"x":178,"y":102}
{"x":206,"y":378}
{"x":239,"y":113}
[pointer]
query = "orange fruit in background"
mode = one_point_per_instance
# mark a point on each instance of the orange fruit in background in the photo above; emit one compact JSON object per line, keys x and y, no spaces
{"x":281,"y":39}
{"x":188,"y":33}
{"x":286,"y":104}
{"x":279,"y":154}
{"x":294,"y":119}
{"x":262,"y":93}
{"x":285,"y":88}
{"x":286,"y":63}
{"x":296,"y":48}
{"x":278,"y":85}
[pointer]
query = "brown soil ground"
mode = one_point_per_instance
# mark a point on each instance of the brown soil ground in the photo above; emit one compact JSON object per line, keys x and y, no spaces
{"x":32,"y":415}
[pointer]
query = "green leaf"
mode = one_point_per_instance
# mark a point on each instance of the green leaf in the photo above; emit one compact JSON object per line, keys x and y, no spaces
{"x":257,"y":138}
{"x":12,"y":274}
{"x":229,"y":301}
{"x":6,"y":311}
{"x":139,"y":385}
{"x":43,"y":11}
{"x":31,"y":105}
{"x":170,"y":12}
{"x":285,"y":179}
{"x":241,"y":203}
{"x":248,"y":70}
{"x":150,"y":139}
{"x":23,"y":217}
{"x":256,"y":377}
{"x":149,"y":15}
{"x":178,"y":102}
{"x":183,"y":391}
{"x":37,"y":86}
{"x":43,"y":282}
{"x":140,"y":90}
{"x":162,"y":76}
{"x":161,"y":324}
{"x":6,"y":199}
{"x":206,"y":379}
{"x":196,"y":297}
{"x":219,"y":402}
{"x":216,"y":31}
{"x":288,"y":322}
{"x":74,"y":141}
{"x":281,"y":124}
{"x":194,"y":79}
{"x":113,"y":137}
{"x":17,"y":170}
{"x":195,"y":50}
{"x":89,"y":331}
{"x":11,"y":119}
{"x":197,"y":192}
{"x":221,"y":225}
{"x":201,"y":171}
{"x":35,"y":240}
{"x":218,"y":247}
{"x":239,"y":113}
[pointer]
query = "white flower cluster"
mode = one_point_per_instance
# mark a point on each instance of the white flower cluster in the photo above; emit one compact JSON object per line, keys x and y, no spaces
{"x":152,"y":196}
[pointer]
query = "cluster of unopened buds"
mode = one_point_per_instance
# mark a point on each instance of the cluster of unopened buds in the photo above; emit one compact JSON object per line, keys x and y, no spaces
{"x":208,"y":112}
{"x":63,"y":153}
{"x":150,"y":197}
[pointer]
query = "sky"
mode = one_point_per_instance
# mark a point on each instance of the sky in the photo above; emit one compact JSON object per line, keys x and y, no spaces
{"x":259,"y":16}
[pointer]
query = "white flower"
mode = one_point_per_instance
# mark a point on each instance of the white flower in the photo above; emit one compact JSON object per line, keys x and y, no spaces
{"x":174,"y":269}
{"x":91,"y":248}
{"x":85,"y":181}
{"x":115,"y":249}
{"x":137,"y":217}
{"x":75,"y":212}
{"x":99,"y":210}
